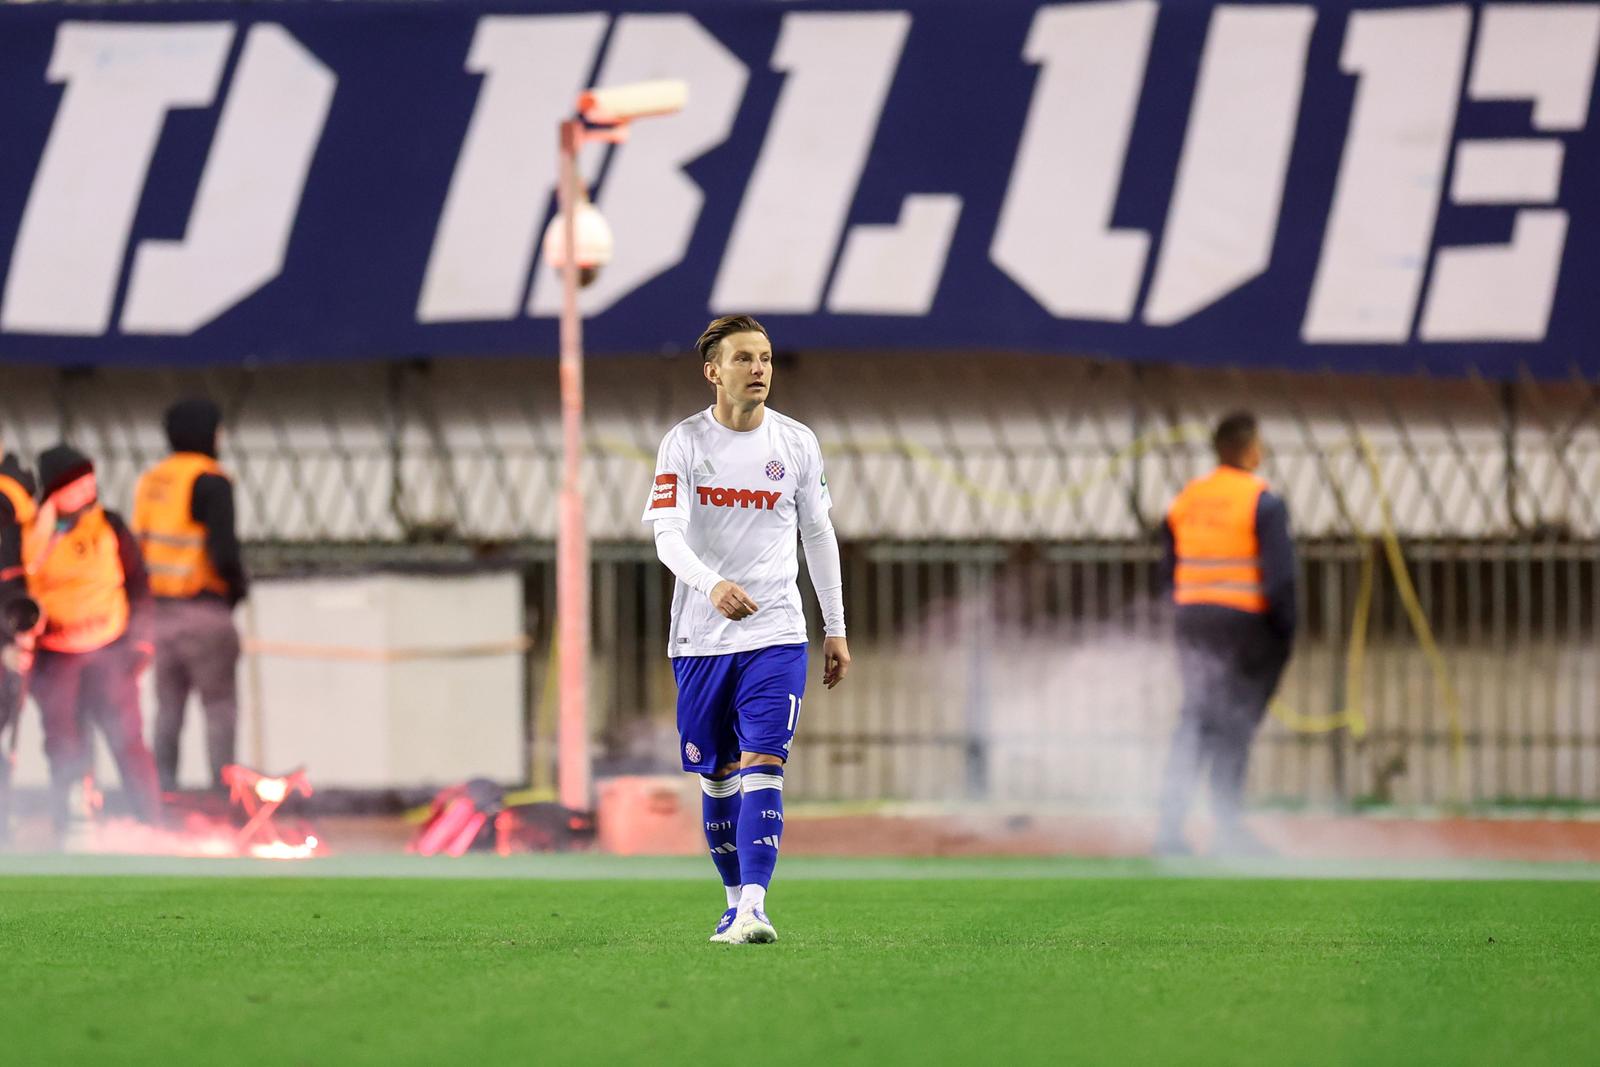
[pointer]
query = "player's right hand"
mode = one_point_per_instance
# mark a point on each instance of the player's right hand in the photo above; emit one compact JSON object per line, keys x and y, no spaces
{"x":733,"y":602}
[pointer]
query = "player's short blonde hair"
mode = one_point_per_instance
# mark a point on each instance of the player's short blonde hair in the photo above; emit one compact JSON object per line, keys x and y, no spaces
{"x":711,"y":340}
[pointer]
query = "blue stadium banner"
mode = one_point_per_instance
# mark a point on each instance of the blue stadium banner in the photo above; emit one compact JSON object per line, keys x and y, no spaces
{"x":1363,"y":186}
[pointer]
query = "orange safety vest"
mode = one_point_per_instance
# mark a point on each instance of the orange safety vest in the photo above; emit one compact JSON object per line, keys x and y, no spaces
{"x":22,"y":506}
{"x":174,"y":545}
{"x":21,"y":500}
{"x":1213,"y":524}
{"x":77,"y":579}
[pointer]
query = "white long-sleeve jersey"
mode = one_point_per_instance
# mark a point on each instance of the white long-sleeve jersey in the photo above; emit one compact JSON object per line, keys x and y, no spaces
{"x":727,"y":505}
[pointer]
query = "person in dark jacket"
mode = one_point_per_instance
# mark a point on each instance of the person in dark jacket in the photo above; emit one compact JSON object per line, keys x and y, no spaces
{"x":1230,"y":564}
{"x":16,"y":640}
{"x":17,"y":506}
{"x":184,"y":518}
{"x":88,"y":578}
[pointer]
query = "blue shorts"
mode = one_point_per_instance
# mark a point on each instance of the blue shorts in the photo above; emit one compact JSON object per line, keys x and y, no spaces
{"x":741,"y":702}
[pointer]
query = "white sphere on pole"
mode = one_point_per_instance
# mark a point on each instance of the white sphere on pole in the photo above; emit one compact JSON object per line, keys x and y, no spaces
{"x":593,"y":239}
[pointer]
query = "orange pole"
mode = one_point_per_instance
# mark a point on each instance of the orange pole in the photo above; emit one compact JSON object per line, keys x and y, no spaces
{"x":572,"y":545}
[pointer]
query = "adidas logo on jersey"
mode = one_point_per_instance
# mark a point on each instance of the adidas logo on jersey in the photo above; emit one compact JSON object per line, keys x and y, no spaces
{"x":760,"y":499}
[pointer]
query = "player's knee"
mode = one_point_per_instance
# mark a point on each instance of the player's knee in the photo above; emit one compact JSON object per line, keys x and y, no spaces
{"x":721,"y":772}
{"x":719,"y":788}
{"x":760,"y":759}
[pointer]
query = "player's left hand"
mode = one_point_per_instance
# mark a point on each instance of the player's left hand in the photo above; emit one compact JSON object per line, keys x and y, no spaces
{"x":835,"y":660}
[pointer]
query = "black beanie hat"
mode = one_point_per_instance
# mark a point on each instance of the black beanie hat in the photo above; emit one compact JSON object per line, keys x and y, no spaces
{"x":59,"y":465}
{"x":192,"y":426}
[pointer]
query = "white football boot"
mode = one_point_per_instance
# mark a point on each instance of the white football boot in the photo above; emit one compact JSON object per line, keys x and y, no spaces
{"x":751,"y":927}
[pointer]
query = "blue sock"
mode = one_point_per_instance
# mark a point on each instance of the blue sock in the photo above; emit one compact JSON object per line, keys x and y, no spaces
{"x":720,"y":806}
{"x":760,"y":824}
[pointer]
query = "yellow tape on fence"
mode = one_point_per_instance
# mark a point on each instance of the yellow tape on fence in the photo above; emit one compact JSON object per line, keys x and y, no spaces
{"x":1353,"y":717}
{"x":1419,"y":625}
{"x":1023,"y":500}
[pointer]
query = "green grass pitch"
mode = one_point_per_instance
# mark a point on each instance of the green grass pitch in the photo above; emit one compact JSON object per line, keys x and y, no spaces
{"x":587,"y":960}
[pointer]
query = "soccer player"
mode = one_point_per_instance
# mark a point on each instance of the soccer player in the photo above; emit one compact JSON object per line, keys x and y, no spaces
{"x":733,"y":486}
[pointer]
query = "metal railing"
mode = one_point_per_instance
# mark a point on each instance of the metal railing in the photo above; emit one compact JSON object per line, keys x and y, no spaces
{"x":997,"y":514}
{"x":1045,"y":672}
{"x":981,"y":447}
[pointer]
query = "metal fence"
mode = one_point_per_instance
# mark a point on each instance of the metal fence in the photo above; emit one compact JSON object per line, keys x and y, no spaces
{"x":1026,"y":672}
{"x":997,"y":515}
{"x":985,"y":447}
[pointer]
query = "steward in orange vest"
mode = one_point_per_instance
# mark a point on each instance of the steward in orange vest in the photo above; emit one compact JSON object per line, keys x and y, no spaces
{"x":183,"y":517}
{"x":1230,"y":564}
{"x":85,"y":572}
